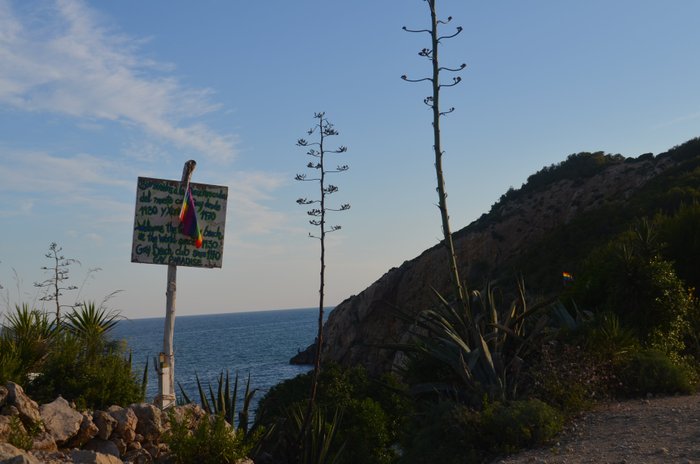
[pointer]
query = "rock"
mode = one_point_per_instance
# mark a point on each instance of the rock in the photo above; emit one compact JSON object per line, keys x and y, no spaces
{"x":102,"y":446}
{"x":44,"y":441}
{"x":88,"y":431}
{"x":120,"y":444}
{"x":191,"y":413}
{"x":138,"y":456}
{"x":26,"y":407}
{"x":3,"y":395}
{"x":149,"y":422}
{"x":105,"y":424}
{"x":5,"y":422}
{"x":8,"y":410}
{"x":60,"y":420}
{"x":126,"y":423}
{"x":11,"y":455}
{"x":91,"y":457}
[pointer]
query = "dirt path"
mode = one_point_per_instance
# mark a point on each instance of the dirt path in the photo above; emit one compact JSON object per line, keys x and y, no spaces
{"x":657,"y":430}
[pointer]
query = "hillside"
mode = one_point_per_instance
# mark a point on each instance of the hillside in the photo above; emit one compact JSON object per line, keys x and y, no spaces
{"x":547,"y":226}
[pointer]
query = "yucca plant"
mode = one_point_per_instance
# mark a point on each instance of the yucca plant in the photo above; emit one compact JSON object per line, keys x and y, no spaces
{"x":225,"y":401}
{"x":91,"y":324}
{"x":30,"y":332}
{"x":482,"y":345}
{"x":317,"y":447}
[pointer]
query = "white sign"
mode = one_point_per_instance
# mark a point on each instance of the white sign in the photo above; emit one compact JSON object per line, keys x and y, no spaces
{"x":157,"y":236}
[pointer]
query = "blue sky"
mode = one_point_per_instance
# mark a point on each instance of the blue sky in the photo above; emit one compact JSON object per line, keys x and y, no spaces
{"x":95,"y":94}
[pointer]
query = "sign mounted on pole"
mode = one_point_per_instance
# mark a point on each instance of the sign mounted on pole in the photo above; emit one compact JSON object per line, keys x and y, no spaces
{"x":158,"y":238}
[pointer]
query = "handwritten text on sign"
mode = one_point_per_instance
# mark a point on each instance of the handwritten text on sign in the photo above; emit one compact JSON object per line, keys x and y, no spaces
{"x":157,"y":237}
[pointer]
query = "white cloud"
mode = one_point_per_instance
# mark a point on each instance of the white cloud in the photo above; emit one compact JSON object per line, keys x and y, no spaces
{"x":248,"y":192}
{"x":65,"y":61}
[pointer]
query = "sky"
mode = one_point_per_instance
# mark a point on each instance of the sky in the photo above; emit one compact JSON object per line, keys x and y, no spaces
{"x":95,"y":94}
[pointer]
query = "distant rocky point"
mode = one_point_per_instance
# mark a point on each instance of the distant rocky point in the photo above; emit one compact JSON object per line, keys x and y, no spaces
{"x":554,"y":205}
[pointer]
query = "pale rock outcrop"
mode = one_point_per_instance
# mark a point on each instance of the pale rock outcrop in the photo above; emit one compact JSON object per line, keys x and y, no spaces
{"x":91,"y":457}
{"x":27,"y":408}
{"x":61,"y":420}
{"x":12,"y":455}
{"x":105,"y":423}
{"x":3,"y":395}
{"x":126,"y":423}
{"x":88,"y":430}
{"x":148,"y":421}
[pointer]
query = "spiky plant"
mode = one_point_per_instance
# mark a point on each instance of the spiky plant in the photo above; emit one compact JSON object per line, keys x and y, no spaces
{"x":30,"y":332}
{"x":484,"y":346}
{"x":91,"y":324}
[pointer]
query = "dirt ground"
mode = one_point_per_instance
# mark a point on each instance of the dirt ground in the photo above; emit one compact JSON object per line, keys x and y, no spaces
{"x":655,"y":430}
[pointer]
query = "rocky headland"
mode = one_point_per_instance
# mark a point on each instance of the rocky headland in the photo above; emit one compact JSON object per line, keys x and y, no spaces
{"x":359,"y":329}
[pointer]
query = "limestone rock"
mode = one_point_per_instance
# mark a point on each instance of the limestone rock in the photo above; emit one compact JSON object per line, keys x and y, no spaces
{"x":126,"y":423}
{"x":60,"y":420}
{"x":5,"y":422}
{"x":44,"y":441}
{"x":26,"y":407}
{"x":88,"y":430}
{"x":149,"y":422}
{"x":11,"y":455}
{"x":102,"y":446}
{"x":105,"y":424}
{"x":91,"y":457}
{"x":3,"y":395}
{"x":138,"y":456}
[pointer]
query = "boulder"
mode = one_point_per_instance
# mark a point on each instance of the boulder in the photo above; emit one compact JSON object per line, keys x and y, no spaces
{"x":60,"y":420}
{"x":3,"y":395}
{"x":102,"y":446}
{"x":149,"y":423}
{"x":26,"y":407}
{"x":5,"y":422}
{"x":91,"y":457}
{"x":44,"y":441}
{"x":88,"y":430}
{"x":126,"y":423}
{"x":11,"y":455}
{"x":138,"y":456}
{"x":105,"y":424}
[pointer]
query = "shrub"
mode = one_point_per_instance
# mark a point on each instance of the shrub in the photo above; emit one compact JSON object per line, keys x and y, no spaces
{"x":652,"y":371}
{"x":96,"y":382}
{"x":213,"y":441}
{"x":373,"y":411}
{"x":444,"y":432}
{"x":508,"y":427}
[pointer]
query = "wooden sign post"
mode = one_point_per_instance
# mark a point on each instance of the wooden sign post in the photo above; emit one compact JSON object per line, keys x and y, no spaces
{"x":159,"y":239}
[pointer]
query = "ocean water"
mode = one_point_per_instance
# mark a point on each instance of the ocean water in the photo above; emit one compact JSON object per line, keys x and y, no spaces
{"x":256,"y":343}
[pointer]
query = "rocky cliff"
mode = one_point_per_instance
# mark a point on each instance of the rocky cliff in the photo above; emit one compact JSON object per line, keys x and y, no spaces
{"x":358,"y":329}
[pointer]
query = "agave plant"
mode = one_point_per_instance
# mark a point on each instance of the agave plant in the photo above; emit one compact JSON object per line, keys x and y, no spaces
{"x":225,"y":401}
{"x":30,"y":333}
{"x":91,"y":324}
{"x":482,"y":345}
{"x":317,"y":447}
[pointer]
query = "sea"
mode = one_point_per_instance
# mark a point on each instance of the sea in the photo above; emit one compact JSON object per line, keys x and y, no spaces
{"x":258,"y":344}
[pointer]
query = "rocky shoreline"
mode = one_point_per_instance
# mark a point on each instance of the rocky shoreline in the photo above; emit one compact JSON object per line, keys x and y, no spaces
{"x":58,"y":433}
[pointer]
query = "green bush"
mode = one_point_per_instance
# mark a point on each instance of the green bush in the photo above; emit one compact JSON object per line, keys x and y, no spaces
{"x":653,"y":372}
{"x":508,"y":427}
{"x":444,"y":432}
{"x":94,"y":381}
{"x":373,"y":411}
{"x":213,"y":441}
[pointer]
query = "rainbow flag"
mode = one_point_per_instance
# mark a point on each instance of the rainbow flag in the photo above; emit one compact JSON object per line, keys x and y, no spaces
{"x":567,"y":276}
{"x":188,"y":219}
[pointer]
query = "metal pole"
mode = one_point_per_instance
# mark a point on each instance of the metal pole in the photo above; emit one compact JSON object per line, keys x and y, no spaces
{"x":166,"y":371}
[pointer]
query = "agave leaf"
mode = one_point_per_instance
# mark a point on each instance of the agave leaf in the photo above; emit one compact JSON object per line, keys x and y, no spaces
{"x":203,"y":396}
{"x":186,"y":398}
